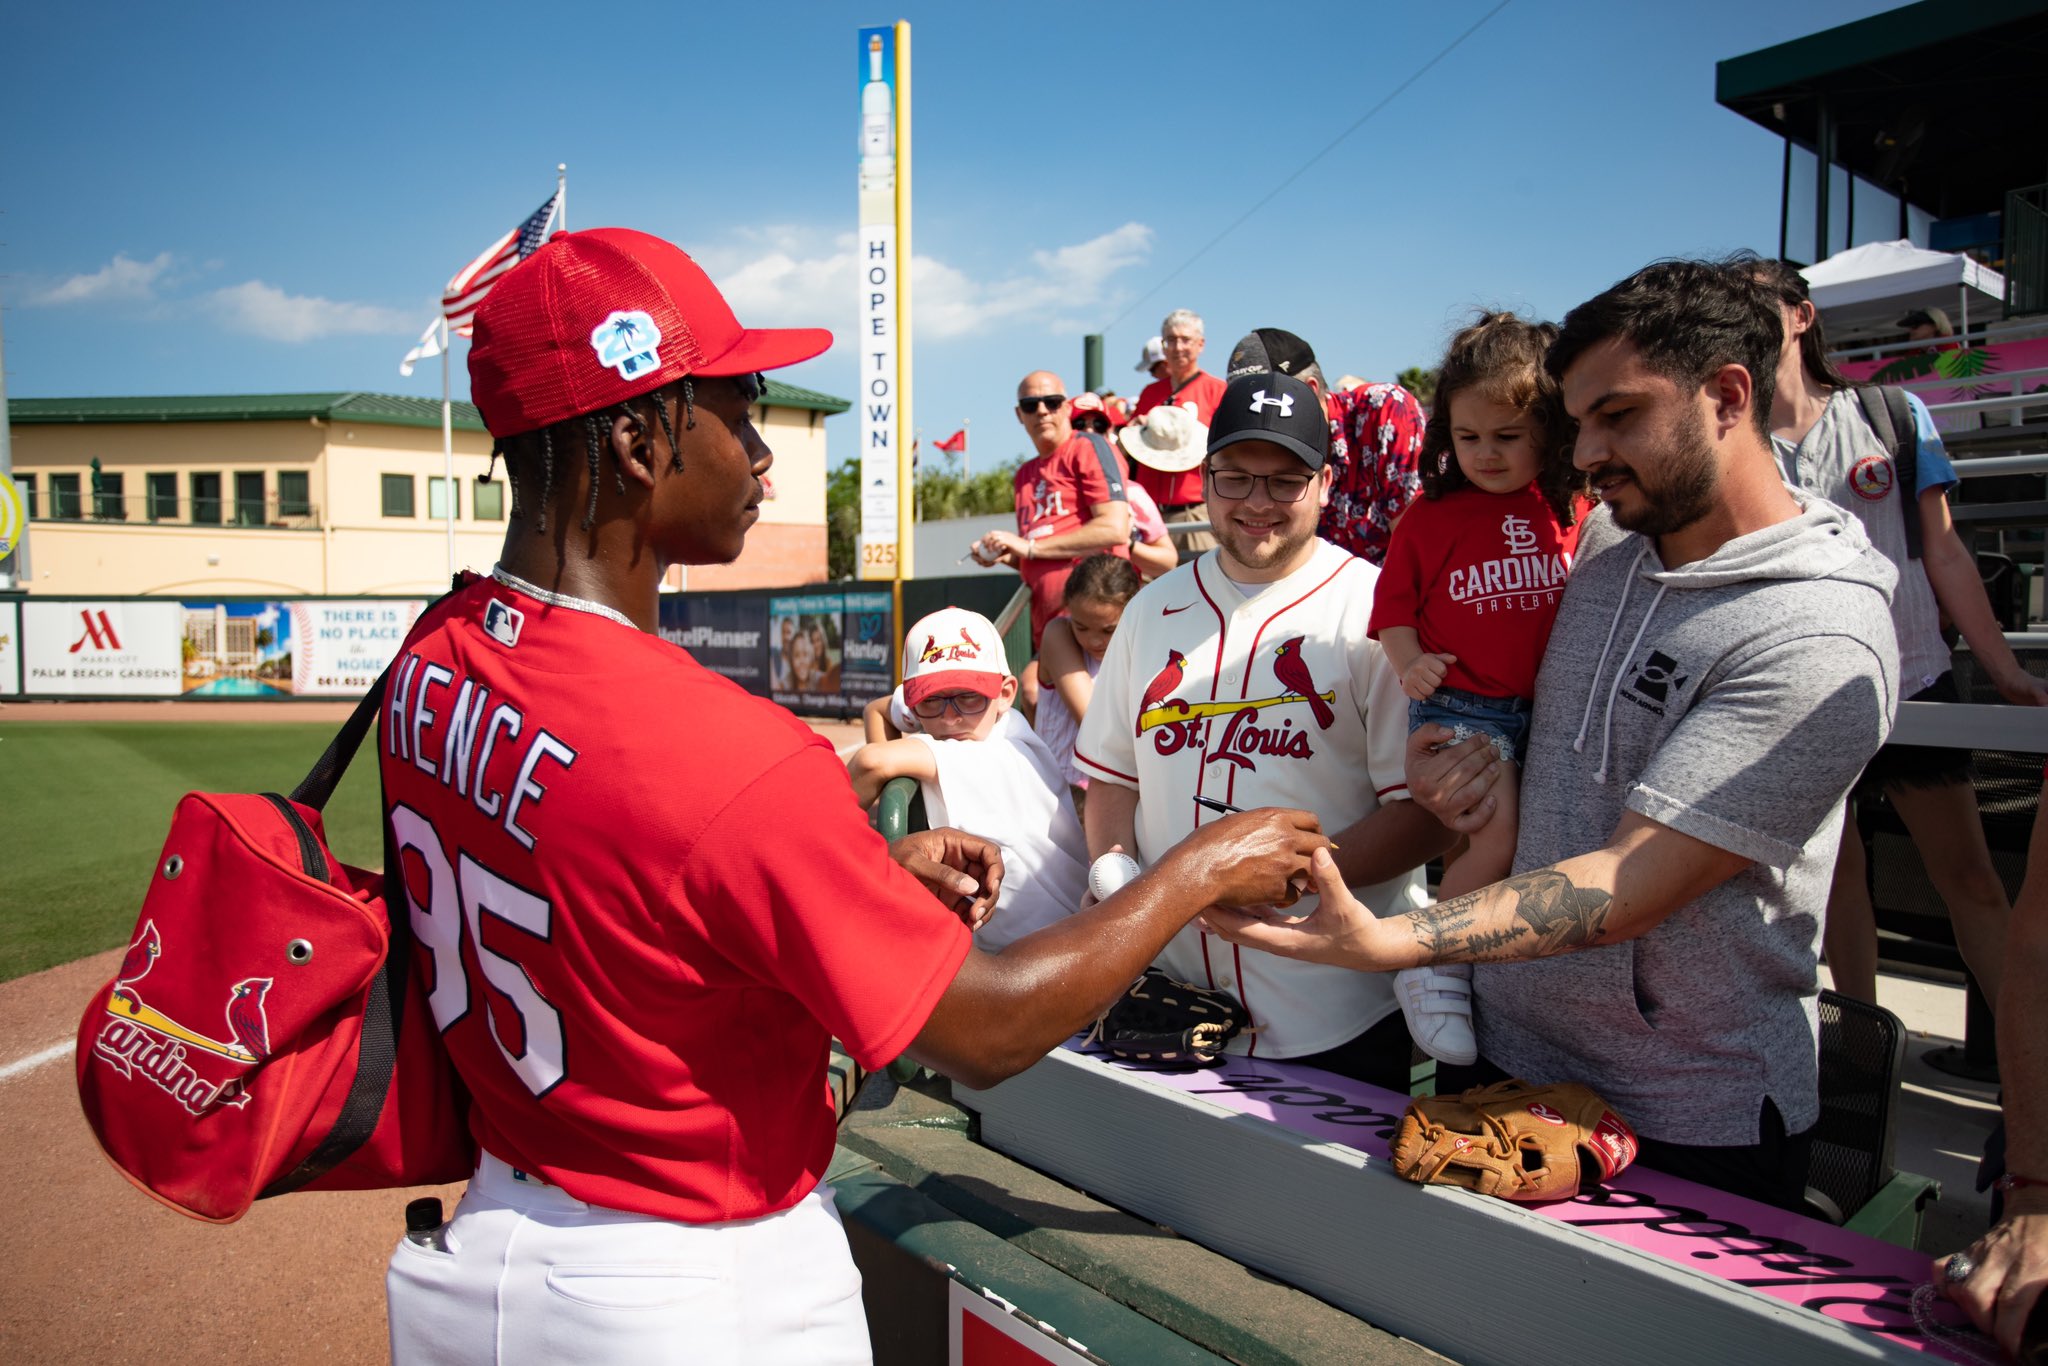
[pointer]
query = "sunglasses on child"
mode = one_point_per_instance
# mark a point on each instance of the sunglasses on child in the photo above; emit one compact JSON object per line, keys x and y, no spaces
{"x":1051,"y":403}
{"x":966,"y":703}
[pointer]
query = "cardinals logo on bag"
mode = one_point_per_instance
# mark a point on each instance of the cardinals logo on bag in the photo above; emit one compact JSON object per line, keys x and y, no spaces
{"x":1180,"y":723}
{"x":140,"y":1039}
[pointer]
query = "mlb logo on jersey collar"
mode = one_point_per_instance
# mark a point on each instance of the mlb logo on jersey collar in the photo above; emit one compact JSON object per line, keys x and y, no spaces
{"x":503,"y":621}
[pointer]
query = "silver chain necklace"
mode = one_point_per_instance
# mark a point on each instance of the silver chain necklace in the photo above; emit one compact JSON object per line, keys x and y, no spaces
{"x":553,"y":599}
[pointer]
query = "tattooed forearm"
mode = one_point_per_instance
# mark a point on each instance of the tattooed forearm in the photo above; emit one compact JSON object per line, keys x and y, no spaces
{"x":1563,"y":914}
{"x":1531,"y":915}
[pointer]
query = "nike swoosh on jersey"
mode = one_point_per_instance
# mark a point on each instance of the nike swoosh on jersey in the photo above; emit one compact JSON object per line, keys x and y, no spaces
{"x":1169,"y":611}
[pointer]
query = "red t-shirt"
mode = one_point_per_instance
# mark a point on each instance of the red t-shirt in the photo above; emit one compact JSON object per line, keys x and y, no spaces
{"x":1055,"y":494}
{"x":1201,"y":393}
{"x":1478,"y":575}
{"x":645,"y":900}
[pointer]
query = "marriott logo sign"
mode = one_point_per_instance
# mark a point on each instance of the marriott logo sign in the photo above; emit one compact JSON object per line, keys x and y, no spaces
{"x":98,"y":632}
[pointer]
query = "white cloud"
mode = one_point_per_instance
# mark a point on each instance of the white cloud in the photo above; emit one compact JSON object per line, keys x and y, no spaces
{"x":785,"y":276}
{"x":121,"y":278}
{"x":266,"y":311}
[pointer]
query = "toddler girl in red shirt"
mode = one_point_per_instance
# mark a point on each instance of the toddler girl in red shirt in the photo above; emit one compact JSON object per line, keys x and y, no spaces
{"x":1470,"y":587}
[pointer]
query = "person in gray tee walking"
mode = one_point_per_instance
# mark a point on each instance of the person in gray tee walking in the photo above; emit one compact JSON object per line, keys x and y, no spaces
{"x":1722,"y":667}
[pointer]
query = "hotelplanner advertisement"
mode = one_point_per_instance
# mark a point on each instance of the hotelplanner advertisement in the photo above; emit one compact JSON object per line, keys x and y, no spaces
{"x":102,"y":649}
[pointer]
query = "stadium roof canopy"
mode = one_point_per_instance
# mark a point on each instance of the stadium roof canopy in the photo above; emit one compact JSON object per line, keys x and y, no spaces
{"x":1943,"y":103}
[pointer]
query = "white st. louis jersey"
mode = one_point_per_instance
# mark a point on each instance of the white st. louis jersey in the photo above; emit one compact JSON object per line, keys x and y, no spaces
{"x":1263,"y":695}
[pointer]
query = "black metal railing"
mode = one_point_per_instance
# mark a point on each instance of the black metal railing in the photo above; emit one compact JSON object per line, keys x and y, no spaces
{"x":2026,"y":250}
{"x":146,"y":507}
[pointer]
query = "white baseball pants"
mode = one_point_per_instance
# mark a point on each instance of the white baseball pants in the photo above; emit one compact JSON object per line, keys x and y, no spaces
{"x":531,"y":1274}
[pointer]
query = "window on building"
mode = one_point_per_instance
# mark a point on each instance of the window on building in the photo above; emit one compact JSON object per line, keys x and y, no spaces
{"x":487,"y":502}
{"x":437,"y":500}
{"x":206,"y":499}
{"x":294,"y":494}
{"x":110,"y":499}
{"x":398,"y":495}
{"x":162,"y":495}
{"x":64,"y":502}
{"x":27,"y":484}
{"x":249,"y":498}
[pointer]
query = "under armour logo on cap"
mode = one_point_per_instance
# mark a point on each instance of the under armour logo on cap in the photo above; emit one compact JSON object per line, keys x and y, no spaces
{"x":1285,"y":403}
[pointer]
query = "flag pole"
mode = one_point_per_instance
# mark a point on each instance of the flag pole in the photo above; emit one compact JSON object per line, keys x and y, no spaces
{"x":562,"y":192}
{"x":967,"y":448}
{"x":448,"y":445}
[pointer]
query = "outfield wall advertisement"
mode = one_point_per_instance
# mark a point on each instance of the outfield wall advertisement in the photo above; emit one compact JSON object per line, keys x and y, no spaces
{"x":10,"y":648}
{"x":247,"y":649}
{"x":819,"y":653}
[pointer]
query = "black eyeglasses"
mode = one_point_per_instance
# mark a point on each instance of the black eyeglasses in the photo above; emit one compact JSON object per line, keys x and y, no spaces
{"x":1281,"y":488}
{"x":1052,"y":403}
{"x":966,"y":703}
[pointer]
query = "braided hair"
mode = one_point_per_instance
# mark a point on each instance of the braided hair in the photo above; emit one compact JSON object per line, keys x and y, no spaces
{"x":594,"y":429}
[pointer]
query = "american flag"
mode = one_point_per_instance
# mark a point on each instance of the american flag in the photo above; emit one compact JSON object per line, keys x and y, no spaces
{"x":459,"y":301}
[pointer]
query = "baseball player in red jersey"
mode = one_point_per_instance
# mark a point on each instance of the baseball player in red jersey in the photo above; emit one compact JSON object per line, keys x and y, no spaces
{"x":644,"y":900}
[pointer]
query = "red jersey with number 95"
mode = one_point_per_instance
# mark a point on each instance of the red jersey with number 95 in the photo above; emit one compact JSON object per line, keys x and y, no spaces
{"x":644,"y":900}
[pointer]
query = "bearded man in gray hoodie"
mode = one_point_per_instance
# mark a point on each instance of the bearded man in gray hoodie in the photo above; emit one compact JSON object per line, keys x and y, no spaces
{"x":1722,"y":667}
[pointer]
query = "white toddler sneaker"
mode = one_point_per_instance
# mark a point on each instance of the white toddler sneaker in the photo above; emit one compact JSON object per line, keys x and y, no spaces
{"x":1437,"y":1003}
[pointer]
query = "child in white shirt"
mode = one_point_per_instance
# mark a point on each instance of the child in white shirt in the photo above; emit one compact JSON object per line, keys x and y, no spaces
{"x":981,"y":769}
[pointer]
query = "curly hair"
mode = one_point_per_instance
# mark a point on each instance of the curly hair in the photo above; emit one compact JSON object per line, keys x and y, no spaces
{"x":1500,"y":356}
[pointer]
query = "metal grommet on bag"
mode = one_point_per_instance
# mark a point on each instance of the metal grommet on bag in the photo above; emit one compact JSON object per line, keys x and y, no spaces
{"x":299,"y":951}
{"x":174,"y":865}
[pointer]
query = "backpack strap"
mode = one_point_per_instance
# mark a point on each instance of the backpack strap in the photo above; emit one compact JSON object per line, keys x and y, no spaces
{"x":1111,"y":462}
{"x":1891,"y":418}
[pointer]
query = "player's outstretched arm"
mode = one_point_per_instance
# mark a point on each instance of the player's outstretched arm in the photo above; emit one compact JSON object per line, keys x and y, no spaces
{"x":1647,"y":871}
{"x":1004,"y":1011}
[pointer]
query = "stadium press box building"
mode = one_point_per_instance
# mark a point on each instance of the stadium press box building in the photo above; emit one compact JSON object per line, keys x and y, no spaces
{"x":325,"y":494}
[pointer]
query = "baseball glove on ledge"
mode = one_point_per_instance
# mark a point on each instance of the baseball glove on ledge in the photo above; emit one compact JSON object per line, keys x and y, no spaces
{"x":1513,"y":1140}
{"x":1169,"y":1023}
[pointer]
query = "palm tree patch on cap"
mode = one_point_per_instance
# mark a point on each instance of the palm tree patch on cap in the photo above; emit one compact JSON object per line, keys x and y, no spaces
{"x":625,"y":342}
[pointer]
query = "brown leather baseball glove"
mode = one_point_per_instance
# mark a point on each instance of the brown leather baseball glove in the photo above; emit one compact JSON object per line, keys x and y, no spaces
{"x":1513,"y":1140}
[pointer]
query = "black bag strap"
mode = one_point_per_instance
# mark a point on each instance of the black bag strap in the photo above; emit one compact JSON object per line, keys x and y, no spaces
{"x":384,"y":1010}
{"x":1891,"y":418}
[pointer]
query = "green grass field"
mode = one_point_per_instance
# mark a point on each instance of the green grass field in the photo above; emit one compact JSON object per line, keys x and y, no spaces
{"x":84,"y":809}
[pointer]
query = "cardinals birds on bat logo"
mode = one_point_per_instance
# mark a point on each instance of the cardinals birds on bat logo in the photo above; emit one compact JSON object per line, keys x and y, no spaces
{"x":140,"y":958}
{"x":1292,"y":671}
{"x":1162,"y":686}
{"x":935,"y":653}
{"x":247,"y":1024}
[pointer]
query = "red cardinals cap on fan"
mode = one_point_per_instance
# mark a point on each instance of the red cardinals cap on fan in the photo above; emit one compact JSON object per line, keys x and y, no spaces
{"x":600,"y":316}
{"x":953,"y":650}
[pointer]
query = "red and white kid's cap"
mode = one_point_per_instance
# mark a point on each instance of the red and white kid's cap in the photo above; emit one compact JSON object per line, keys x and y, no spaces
{"x":953,"y":650}
{"x":1091,"y":405}
{"x":600,"y":316}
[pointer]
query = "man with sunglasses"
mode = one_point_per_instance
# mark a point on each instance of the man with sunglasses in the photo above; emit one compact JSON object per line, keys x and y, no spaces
{"x":1070,"y":500}
{"x":1246,"y":677}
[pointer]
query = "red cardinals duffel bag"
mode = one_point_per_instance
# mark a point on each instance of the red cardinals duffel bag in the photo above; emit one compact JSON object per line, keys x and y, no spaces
{"x":266,"y":1031}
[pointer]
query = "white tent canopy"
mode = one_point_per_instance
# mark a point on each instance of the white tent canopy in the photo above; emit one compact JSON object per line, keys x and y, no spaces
{"x":1865,"y":290}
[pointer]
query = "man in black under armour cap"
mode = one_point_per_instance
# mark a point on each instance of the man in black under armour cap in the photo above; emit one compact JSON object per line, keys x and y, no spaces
{"x":1247,"y":673}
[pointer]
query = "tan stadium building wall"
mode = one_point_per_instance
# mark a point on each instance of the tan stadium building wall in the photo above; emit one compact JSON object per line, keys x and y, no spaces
{"x":344,"y":543}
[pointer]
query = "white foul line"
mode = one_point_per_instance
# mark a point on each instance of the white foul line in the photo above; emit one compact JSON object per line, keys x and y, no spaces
{"x":35,"y":1060}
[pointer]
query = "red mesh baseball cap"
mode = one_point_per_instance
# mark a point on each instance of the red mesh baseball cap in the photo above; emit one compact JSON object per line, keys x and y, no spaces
{"x":600,"y":316}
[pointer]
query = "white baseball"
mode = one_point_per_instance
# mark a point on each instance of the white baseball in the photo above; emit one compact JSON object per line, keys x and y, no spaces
{"x":1111,"y":873}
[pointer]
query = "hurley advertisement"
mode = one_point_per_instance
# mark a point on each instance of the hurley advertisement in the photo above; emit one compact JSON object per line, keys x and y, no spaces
{"x":820,"y":653}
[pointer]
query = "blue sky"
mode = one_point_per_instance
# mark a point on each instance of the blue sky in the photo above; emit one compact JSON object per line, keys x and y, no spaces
{"x":268,"y":198}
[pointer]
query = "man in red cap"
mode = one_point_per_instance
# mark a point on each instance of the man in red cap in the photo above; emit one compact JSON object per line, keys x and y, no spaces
{"x":646,"y":899}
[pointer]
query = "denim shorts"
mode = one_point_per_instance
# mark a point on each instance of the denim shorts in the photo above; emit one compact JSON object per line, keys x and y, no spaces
{"x":1504,"y":720}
